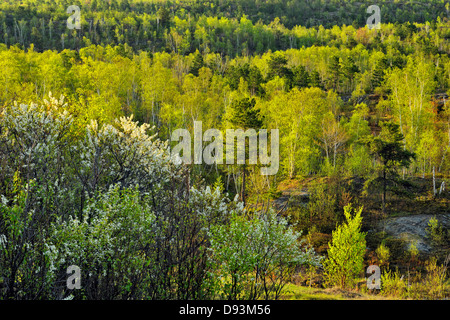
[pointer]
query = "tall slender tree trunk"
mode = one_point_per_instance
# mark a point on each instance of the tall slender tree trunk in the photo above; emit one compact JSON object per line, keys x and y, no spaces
{"x":434,"y":183}
{"x":384,"y":191}
{"x":243,"y":185}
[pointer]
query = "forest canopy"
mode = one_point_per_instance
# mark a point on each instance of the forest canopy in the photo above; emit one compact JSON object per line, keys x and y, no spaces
{"x":86,"y":117}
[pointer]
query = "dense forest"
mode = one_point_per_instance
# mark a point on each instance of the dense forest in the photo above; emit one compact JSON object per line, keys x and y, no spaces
{"x":87,"y":177}
{"x":230,"y":28}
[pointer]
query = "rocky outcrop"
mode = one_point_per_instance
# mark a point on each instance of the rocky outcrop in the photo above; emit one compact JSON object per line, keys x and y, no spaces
{"x":413,"y":228}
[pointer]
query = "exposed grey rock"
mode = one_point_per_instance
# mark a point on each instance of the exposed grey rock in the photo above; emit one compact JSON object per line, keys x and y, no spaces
{"x":413,"y":228}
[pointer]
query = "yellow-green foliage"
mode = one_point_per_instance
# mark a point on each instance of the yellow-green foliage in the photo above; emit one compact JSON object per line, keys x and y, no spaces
{"x":345,"y":259}
{"x":393,"y":284}
{"x":383,"y":254}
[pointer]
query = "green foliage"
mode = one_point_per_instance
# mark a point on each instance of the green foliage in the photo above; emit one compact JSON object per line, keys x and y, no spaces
{"x":82,"y":174}
{"x":436,"y":231}
{"x":346,"y":251}
{"x":320,"y":212}
{"x":413,"y":252}
{"x":103,"y":82}
{"x":244,"y":115}
{"x":431,"y":285}
{"x":217,"y":25}
{"x":389,"y":151}
{"x":393,"y":284}
{"x":334,"y":71}
{"x":383,"y":255}
{"x":378,"y":73}
{"x":436,"y":278}
{"x":115,"y":213}
{"x":301,"y":77}
{"x":256,"y":256}
{"x":109,"y":243}
{"x":197,"y":64}
{"x":274,"y":193}
{"x":277,"y":67}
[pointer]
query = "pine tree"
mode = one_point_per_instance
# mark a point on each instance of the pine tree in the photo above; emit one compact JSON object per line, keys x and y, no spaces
{"x":301,"y":77}
{"x":255,"y":79}
{"x":197,"y":64}
{"x":314,"y":80}
{"x":334,"y":72}
{"x":278,"y":67}
{"x":245,"y":116}
{"x":163,"y":16}
{"x":349,"y":68}
{"x":388,"y":149}
{"x":378,"y":73}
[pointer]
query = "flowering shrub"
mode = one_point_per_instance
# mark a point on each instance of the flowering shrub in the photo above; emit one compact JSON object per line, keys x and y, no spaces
{"x":108,"y":244}
{"x":109,"y":200}
{"x":255,"y":257}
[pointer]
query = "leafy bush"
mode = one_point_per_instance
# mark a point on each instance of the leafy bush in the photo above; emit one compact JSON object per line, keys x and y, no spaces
{"x":436,"y":231}
{"x":345,"y":259}
{"x":26,"y":259}
{"x":383,"y":254}
{"x":108,"y":200}
{"x":436,"y":278}
{"x":392,"y":284}
{"x":109,"y":244}
{"x":256,"y":256}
